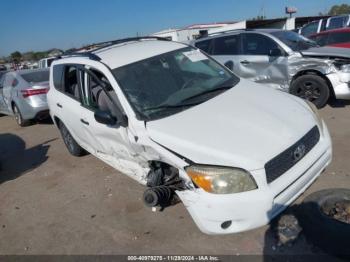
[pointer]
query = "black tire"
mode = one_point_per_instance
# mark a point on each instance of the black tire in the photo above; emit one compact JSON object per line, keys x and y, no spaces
{"x":311,"y":87}
{"x":321,"y":230}
{"x":72,"y":146}
{"x":18,"y":117}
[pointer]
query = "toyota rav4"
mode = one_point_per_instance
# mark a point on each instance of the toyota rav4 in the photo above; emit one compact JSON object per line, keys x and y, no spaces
{"x":235,"y":152}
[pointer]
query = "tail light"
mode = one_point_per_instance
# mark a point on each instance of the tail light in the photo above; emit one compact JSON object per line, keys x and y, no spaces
{"x":33,"y":92}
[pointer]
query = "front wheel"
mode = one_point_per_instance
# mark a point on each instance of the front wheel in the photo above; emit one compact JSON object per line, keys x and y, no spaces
{"x":72,"y":146}
{"x":19,"y":118}
{"x":312,"y":88}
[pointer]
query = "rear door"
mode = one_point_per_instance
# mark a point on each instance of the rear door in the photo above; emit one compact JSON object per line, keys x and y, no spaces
{"x":260,"y":61}
{"x":67,"y":101}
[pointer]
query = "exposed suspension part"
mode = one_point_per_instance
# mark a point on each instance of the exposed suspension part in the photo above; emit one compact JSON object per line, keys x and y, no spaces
{"x":162,"y":181}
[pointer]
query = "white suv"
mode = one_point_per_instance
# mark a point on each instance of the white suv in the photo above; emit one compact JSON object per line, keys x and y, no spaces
{"x":235,"y":152}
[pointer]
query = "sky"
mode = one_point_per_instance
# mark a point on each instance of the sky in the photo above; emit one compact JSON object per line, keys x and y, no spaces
{"x":35,"y":25}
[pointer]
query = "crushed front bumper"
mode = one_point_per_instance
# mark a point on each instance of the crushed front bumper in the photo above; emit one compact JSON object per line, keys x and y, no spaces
{"x":341,"y":84}
{"x":249,"y":210}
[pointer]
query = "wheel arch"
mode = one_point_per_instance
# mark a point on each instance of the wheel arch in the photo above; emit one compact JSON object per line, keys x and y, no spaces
{"x":56,"y":121}
{"x":318,"y":73}
{"x":13,"y":104}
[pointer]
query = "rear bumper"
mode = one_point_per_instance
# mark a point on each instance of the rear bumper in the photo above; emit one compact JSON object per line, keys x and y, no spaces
{"x":249,"y":210}
{"x":30,"y":110}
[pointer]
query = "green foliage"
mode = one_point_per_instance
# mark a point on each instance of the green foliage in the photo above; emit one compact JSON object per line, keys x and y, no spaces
{"x":16,"y":56}
{"x":339,"y":10}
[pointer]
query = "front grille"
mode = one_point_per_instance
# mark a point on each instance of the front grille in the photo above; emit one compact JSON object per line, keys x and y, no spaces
{"x":288,"y":158}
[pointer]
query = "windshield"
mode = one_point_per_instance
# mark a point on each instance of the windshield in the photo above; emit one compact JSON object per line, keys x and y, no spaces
{"x":295,"y":41}
{"x":169,"y":83}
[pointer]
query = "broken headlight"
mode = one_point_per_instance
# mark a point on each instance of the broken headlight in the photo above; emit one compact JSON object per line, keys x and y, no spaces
{"x":221,"y":180}
{"x":345,"y":68}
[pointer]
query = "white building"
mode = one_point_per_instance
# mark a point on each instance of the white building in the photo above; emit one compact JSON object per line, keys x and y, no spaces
{"x":190,"y":32}
{"x":194,"y":31}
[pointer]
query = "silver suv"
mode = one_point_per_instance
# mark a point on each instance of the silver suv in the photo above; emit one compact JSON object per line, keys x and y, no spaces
{"x":284,"y":60}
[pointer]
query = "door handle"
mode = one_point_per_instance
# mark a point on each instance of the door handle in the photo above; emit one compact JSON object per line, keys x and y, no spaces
{"x":245,"y":62}
{"x":59,"y":105}
{"x":84,"y":122}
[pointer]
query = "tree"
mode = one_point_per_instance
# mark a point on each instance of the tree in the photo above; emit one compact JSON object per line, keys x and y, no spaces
{"x":16,"y":56}
{"x":339,"y":10}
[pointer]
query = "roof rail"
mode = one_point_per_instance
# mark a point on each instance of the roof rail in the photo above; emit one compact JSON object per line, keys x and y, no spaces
{"x":226,"y":32}
{"x":83,"y":54}
{"x":123,"y":40}
{"x":95,"y":47}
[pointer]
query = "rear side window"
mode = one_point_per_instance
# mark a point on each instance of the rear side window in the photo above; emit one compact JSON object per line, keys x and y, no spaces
{"x":336,"y":38}
{"x":36,"y":77}
{"x":227,"y":45}
{"x":323,"y":24}
{"x":58,"y":77}
{"x":256,"y":44}
{"x":337,"y":22}
{"x":204,"y":45}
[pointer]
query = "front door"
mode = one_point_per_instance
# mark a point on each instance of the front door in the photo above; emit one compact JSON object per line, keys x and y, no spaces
{"x":262,"y":60}
{"x":111,"y":143}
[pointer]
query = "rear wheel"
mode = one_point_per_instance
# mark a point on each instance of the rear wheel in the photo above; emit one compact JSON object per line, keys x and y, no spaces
{"x":72,"y":146}
{"x":312,"y":88}
{"x":18,"y":117}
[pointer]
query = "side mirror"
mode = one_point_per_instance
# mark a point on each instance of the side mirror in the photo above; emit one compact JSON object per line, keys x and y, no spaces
{"x":229,"y":65}
{"x":275,"y":52}
{"x":105,"y":117}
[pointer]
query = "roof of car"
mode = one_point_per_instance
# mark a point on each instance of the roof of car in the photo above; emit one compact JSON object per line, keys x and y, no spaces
{"x":338,"y":30}
{"x":129,"y":52}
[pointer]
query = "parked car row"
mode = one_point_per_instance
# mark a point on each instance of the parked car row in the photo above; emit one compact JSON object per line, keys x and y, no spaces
{"x":171,"y":116}
{"x":325,"y":24}
{"x":335,"y":38}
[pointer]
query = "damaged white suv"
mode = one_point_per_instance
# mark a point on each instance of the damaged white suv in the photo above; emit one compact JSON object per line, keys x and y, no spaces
{"x":236,"y":153}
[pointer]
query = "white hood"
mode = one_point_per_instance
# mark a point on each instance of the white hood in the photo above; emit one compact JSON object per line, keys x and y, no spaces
{"x":244,"y":127}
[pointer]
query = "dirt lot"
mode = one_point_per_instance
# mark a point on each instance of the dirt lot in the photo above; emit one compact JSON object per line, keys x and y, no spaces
{"x":53,"y":203}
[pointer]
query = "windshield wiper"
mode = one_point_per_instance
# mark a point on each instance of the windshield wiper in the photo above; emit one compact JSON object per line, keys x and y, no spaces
{"x":169,"y":106}
{"x":221,"y":88}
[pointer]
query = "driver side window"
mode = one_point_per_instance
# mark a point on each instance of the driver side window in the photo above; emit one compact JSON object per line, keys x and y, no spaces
{"x":95,"y":89}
